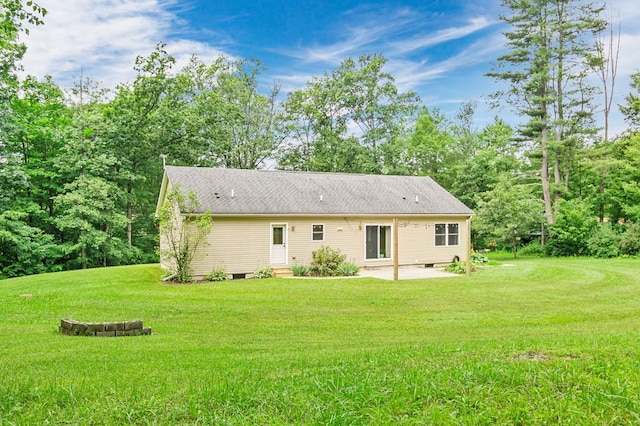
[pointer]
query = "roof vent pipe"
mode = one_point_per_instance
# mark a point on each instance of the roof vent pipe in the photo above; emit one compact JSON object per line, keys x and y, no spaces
{"x":416,"y":199}
{"x":321,"y":198}
{"x":233,"y":193}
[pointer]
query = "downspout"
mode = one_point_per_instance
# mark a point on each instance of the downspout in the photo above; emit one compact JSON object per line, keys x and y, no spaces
{"x":395,"y":249}
{"x":468,"y":246}
{"x":170,"y":277}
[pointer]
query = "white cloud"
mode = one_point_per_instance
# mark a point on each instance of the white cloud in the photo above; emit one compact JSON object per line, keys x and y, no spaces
{"x":392,"y":33}
{"x":102,"y":38}
{"x":409,"y":75}
{"x":378,"y":28}
{"x":448,"y":34}
{"x":291,"y":82}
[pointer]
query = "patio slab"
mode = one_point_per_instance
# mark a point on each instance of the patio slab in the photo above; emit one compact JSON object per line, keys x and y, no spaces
{"x":405,"y":273}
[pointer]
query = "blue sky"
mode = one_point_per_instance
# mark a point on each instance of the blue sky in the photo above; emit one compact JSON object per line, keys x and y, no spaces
{"x":439,"y":48}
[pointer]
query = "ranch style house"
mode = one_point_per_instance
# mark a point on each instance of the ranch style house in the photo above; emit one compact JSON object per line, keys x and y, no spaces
{"x":278,"y":218}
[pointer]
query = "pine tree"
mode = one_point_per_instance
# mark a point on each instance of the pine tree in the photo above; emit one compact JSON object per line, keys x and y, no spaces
{"x":546,"y":68}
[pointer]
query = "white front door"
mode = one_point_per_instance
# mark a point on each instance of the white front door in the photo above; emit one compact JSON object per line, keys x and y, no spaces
{"x":278,"y":244}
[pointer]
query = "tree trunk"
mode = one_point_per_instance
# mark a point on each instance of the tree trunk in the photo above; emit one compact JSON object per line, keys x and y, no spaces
{"x":104,"y":251}
{"x":601,"y":204}
{"x":557,"y":177}
{"x":129,"y":216}
{"x":544,"y":172}
{"x":83,"y":257}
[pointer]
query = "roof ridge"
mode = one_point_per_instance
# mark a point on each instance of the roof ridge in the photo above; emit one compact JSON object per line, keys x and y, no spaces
{"x":305,"y":172}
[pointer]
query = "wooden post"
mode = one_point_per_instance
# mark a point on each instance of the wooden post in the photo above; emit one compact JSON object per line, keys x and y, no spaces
{"x":469,"y":246}
{"x":395,"y":249}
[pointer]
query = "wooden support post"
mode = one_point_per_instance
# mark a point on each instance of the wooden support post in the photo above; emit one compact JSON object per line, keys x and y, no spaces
{"x":395,"y":249}
{"x":469,"y":246}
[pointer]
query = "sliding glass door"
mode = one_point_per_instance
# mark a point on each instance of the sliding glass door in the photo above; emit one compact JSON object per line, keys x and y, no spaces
{"x":378,"y":241}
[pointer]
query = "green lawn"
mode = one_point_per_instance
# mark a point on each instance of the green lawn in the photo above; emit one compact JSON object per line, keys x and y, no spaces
{"x":542,"y":341}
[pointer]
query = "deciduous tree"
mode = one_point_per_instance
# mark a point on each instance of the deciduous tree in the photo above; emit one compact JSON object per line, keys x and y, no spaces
{"x":134,"y":137}
{"x":631,"y":109}
{"x":343,"y":120}
{"x":182,"y":231}
{"x":509,"y":212}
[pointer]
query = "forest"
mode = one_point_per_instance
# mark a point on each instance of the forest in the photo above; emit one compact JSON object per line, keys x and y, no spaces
{"x":80,"y":167}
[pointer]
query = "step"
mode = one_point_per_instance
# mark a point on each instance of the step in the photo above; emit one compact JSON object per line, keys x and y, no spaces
{"x":282,"y":272}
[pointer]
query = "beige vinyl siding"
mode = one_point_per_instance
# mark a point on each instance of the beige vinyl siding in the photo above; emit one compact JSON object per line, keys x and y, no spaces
{"x":417,"y":241}
{"x":242,"y":245}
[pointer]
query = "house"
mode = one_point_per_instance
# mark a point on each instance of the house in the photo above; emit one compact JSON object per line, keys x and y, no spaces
{"x":278,"y":218}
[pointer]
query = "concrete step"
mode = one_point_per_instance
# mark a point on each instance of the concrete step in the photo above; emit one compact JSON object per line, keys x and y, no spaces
{"x":282,"y":272}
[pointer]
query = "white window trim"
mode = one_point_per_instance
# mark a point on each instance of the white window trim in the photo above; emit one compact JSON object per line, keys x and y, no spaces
{"x":446,"y":234}
{"x":378,"y":259}
{"x":324,"y":230}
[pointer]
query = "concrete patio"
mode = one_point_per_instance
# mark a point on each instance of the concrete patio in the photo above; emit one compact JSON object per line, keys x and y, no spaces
{"x":405,"y":273}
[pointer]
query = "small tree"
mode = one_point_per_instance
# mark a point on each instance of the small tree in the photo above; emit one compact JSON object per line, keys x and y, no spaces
{"x":182,"y":230}
{"x":508,"y":213}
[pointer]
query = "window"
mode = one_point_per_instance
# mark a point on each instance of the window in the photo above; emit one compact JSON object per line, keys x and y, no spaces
{"x":317,"y":233}
{"x":278,"y":235}
{"x":446,"y":234}
{"x":378,"y":241}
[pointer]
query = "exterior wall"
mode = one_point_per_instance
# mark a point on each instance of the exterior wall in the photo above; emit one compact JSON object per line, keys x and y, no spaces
{"x":242,"y":245}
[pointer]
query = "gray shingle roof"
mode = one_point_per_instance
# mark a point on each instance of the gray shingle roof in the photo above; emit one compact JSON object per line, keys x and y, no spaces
{"x":260,"y":192}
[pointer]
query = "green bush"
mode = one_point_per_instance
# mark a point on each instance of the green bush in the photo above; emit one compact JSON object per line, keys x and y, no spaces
{"x":534,"y":248}
{"x":300,"y":270}
{"x":630,"y":240}
{"x":604,"y":242}
{"x":459,"y":267}
{"x":218,"y":274}
{"x":574,"y":226}
{"x":326,"y":261}
{"x":348,"y":269}
{"x":479,"y":258}
{"x":184,"y":274}
{"x":266,"y":272}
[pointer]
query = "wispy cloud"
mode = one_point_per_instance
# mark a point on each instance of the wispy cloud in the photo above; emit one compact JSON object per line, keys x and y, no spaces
{"x":377,"y":29}
{"x":291,"y":82}
{"x":409,"y":61}
{"x":448,"y":34}
{"x":102,"y":38}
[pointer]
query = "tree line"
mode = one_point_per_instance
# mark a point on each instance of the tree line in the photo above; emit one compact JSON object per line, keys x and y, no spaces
{"x":80,"y":167}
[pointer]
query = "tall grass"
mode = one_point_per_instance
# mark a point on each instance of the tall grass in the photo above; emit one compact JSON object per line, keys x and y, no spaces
{"x":542,"y":341}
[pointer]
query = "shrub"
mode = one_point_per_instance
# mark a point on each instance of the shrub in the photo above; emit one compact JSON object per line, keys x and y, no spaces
{"x":184,"y":273}
{"x":326,"y":261}
{"x":572,"y":229}
{"x":630,"y":240}
{"x":479,"y":258}
{"x":459,"y":267}
{"x":534,"y":248}
{"x":266,"y":272}
{"x":300,"y":270}
{"x":218,"y":274}
{"x":348,"y":269}
{"x":604,"y":242}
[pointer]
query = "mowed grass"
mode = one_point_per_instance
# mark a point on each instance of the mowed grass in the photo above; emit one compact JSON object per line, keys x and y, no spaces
{"x":543,"y":341}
